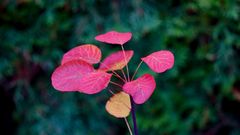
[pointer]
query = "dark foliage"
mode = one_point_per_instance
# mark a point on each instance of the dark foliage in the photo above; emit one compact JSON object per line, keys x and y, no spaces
{"x":200,"y":95}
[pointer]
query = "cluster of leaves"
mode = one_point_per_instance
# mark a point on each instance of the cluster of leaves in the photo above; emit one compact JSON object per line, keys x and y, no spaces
{"x":199,"y":95}
{"x":77,"y":73}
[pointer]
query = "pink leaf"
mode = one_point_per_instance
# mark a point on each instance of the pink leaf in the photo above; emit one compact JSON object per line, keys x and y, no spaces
{"x":94,"y":82}
{"x":67,"y":76}
{"x":140,"y":89}
{"x":116,"y":61}
{"x":160,"y":61}
{"x":89,"y":53}
{"x":113,"y":37}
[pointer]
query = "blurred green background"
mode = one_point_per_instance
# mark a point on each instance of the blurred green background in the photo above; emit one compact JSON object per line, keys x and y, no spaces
{"x":199,"y":96}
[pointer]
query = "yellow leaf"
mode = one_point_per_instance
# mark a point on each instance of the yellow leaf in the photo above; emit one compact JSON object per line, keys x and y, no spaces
{"x":119,"y":105}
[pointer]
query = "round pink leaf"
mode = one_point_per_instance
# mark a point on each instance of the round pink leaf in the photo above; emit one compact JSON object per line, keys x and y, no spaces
{"x":67,"y":76}
{"x":94,"y":82}
{"x":89,"y":53}
{"x":140,"y":89}
{"x":116,"y":61}
{"x":113,"y":37}
{"x":160,"y":61}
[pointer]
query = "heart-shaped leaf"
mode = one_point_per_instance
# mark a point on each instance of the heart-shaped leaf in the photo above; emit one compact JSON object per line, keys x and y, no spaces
{"x":113,"y":37}
{"x":67,"y":76}
{"x":119,"y":105}
{"x":116,"y":61}
{"x":94,"y":82}
{"x":140,"y":89}
{"x":89,"y":53}
{"x":160,"y":61}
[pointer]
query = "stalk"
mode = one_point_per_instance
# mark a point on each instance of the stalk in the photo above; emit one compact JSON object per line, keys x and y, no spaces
{"x":136,"y":70}
{"x":129,"y":128}
{"x":134,"y":118}
{"x":128,"y":77}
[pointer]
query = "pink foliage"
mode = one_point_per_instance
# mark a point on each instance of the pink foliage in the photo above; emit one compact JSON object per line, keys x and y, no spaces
{"x":94,"y":82}
{"x":76,"y":72}
{"x":113,"y":37}
{"x":160,"y":61}
{"x":67,"y":76}
{"x":140,"y":89}
{"x":89,"y":53}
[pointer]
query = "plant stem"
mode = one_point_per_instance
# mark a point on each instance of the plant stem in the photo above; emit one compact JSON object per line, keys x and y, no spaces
{"x":118,"y":77}
{"x":123,"y":74}
{"x":116,"y":84}
{"x":136,"y":70}
{"x":134,"y":117}
{"x":111,"y":91}
{"x":125,"y":62}
{"x":116,"y":74}
{"x":129,"y":128}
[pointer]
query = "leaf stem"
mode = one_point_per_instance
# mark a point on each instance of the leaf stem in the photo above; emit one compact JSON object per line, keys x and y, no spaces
{"x":116,"y":84}
{"x":136,"y":70}
{"x":129,"y":128}
{"x":123,"y":74}
{"x":125,"y":62}
{"x":134,"y":117}
{"x":111,"y":91}
{"x":117,"y":75}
